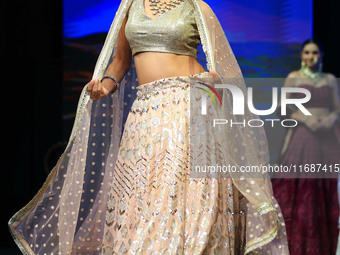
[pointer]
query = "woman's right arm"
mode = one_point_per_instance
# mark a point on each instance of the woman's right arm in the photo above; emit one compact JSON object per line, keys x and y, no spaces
{"x":118,"y":68}
{"x":122,"y":60}
{"x":289,"y":82}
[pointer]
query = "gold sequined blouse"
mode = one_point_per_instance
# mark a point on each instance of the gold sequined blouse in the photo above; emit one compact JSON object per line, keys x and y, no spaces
{"x":174,"y":32}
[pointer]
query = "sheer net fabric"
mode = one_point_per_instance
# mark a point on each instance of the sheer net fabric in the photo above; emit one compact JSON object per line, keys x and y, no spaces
{"x":67,"y":215}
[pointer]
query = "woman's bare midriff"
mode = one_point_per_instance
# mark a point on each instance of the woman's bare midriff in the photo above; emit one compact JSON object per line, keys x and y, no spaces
{"x":151,"y":66}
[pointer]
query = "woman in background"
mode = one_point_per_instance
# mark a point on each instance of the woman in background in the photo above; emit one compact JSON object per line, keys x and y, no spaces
{"x":310,"y":205}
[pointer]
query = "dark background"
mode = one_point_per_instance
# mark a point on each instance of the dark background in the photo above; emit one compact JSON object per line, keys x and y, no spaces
{"x":31,"y":81}
{"x":32,"y":89}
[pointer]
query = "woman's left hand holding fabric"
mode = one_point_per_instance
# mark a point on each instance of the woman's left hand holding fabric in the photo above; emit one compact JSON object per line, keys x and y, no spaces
{"x":98,"y":90}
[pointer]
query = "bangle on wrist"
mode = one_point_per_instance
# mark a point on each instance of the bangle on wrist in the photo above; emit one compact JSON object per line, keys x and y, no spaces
{"x":114,"y":79}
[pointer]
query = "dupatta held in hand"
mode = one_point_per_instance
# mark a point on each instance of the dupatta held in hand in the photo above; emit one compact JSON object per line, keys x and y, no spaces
{"x":67,"y":215}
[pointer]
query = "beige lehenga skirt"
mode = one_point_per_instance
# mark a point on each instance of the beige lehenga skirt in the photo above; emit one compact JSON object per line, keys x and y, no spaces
{"x":154,"y":207}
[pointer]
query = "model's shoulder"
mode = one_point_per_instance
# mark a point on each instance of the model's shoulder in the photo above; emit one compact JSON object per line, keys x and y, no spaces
{"x":332,"y":79}
{"x":294,"y":74}
{"x":330,"y":76}
{"x":290,"y":79}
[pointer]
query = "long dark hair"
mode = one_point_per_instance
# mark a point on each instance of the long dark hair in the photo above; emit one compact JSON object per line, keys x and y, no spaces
{"x":308,"y":41}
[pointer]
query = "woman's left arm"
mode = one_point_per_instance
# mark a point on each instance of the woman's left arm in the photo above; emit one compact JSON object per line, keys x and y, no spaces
{"x":329,"y":120}
{"x":335,"y":97}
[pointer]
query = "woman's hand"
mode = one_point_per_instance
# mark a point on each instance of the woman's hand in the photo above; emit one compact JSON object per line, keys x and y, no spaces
{"x":328,"y":121}
{"x":99,"y":90}
{"x":313,"y":123}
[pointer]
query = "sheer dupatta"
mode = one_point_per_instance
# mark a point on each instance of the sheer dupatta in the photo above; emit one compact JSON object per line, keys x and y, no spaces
{"x":67,"y":215}
{"x":242,"y":145}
